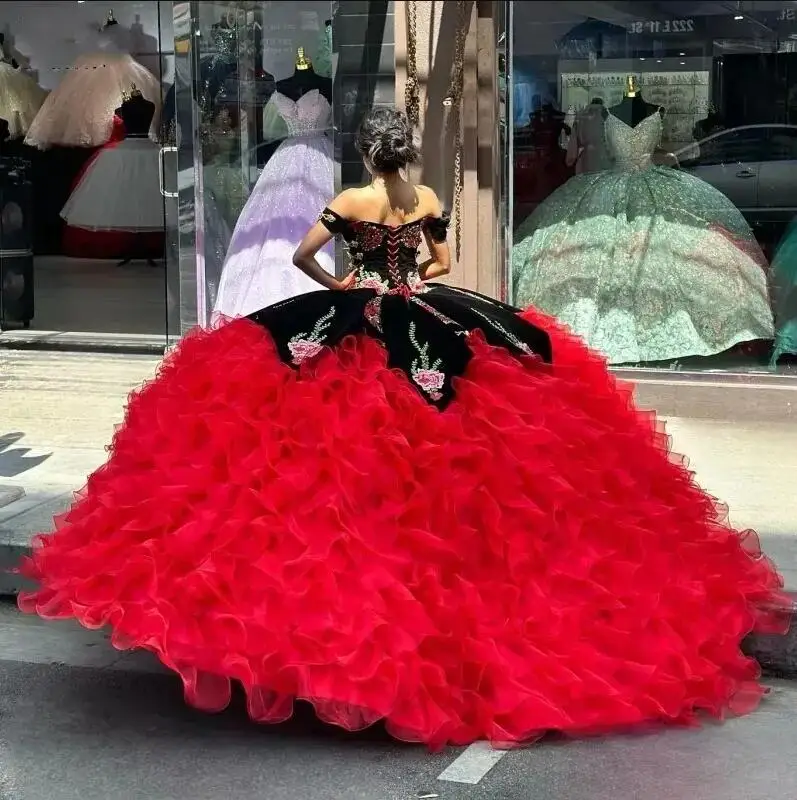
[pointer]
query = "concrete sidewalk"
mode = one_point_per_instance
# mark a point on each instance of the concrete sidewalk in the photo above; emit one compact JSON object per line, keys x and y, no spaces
{"x":57,"y":414}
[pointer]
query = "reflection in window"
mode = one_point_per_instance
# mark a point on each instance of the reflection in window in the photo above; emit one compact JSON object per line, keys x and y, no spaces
{"x":655,"y":179}
{"x":267,"y":150}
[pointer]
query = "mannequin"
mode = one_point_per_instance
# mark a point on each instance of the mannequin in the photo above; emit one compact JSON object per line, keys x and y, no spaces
{"x":136,"y":112}
{"x":304,"y":80}
{"x":117,"y":200}
{"x":633,"y":108}
{"x":110,"y":20}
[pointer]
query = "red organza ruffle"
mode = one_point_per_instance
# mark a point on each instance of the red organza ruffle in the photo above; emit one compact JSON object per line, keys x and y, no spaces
{"x":531,"y":559}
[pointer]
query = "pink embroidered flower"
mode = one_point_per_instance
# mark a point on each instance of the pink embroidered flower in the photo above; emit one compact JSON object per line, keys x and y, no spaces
{"x":371,"y":283}
{"x":373,"y":313}
{"x":430,"y":380}
{"x":302,"y":349}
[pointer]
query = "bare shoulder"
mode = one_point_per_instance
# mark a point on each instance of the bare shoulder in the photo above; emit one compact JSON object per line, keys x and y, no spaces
{"x":429,"y":201}
{"x":347,"y":203}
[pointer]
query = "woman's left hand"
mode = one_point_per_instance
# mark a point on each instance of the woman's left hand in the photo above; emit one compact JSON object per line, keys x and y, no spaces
{"x":348,"y":281}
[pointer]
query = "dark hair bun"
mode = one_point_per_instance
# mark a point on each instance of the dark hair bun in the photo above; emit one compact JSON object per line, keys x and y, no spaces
{"x":386,"y":140}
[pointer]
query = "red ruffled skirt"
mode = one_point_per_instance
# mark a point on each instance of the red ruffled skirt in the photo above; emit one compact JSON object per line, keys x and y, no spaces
{"x":531,"y":559}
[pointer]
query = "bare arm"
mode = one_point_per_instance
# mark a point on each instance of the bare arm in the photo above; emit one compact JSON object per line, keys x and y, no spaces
{"x":305,"y":256}
{"x":435,"y":234}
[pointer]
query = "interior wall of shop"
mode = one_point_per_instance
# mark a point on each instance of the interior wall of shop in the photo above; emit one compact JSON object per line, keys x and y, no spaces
{"x":47,"y":37}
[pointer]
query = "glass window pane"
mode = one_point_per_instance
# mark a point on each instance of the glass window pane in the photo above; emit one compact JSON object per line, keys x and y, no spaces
{"x":654,"y":160}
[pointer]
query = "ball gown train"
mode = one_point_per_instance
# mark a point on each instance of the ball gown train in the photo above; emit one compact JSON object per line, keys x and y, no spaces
{"x":407,"y":502}
{"x":297,"y":180}
{"x":644,"y":262}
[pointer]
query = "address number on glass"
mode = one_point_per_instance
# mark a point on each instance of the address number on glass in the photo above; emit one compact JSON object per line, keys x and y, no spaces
{"x":662,"y":26}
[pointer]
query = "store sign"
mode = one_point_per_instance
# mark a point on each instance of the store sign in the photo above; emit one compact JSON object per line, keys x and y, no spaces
{"x":648,"y":27}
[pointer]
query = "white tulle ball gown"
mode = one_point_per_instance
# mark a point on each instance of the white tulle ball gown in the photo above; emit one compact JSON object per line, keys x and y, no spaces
{"x":20,"y":99}
{"x":120,"y":190}
{"x":79,"y":111}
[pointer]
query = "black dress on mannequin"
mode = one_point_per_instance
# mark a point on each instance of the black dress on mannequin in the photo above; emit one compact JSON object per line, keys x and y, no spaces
{"x":303,"y":81}
{"x":633,"y":109}
{"x":136,"y":112}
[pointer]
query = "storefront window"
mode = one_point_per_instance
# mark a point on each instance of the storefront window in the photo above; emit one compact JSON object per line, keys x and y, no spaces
{"x":82,"y":215}
{"x":654,"y":178}
{"x":159,"y":162}
{"x":263,"y":147}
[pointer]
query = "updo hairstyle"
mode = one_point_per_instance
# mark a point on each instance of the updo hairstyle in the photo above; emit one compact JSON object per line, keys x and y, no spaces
{"x":385,"y":139}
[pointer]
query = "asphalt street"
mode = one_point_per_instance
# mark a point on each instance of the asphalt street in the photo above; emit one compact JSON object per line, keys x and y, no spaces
{"x":81,"y":720}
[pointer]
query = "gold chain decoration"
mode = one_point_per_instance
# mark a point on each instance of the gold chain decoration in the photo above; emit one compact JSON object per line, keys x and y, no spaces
{"x":452,"y":101}
{"x":412,"y":89}
{"x":453,"y":104}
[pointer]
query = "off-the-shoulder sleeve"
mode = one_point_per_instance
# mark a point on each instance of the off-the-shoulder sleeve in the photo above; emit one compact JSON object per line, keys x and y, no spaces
{"x":333,"y":222}
{"x":438,"y":227}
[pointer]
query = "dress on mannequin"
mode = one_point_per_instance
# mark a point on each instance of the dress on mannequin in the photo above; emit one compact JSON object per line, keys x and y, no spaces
{"x":297,"y":180}
{"x":408,"y":502}
{"x":20,"y":99}
{"x":79,"y":111}
{"x":119,"y":190}
{"x":646,"y":263}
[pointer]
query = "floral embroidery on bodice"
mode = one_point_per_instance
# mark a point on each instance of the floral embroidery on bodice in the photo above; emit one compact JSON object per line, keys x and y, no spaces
{"x":633,"y":148}
{"x":424,"y":327}
{"x":310,"y":115}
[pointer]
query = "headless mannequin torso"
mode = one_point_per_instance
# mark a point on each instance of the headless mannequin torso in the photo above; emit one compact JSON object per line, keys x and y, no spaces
{"x":303,"y":81}
{"x":136,"y":112}
{"x":633,"y":109}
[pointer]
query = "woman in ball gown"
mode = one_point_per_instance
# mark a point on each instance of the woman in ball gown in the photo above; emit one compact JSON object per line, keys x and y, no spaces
{"x":407,"y":502}
{"x":644,"y":262}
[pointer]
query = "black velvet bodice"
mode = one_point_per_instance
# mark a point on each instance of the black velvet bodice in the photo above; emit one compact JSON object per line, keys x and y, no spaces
{"x":385,"y":256}
{"x":424,"y":327}
{"x":136,"y":113}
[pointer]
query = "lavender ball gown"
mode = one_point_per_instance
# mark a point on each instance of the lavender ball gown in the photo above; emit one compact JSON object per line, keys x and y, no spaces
{"x":295,"y":184}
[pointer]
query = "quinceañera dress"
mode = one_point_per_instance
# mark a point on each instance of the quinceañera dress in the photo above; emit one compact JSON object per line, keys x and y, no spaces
{"x":79,"y":112}
{"x":20,"y":99}
{"x":297,"y":180}
{"x":409,"y":502}
{"x":645,"y":262}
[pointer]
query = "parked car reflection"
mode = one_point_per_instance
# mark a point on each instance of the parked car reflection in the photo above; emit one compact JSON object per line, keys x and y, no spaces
{"x":755,"y":166}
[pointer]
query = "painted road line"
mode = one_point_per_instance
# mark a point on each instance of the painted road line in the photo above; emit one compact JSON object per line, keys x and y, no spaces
{"x":473,"y":764}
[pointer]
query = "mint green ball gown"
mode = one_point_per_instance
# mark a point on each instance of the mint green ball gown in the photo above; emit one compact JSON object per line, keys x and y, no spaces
{"x":646,"y":263}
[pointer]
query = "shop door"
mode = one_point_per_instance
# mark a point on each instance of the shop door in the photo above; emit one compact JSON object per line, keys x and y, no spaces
{"x":210,"y":163}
